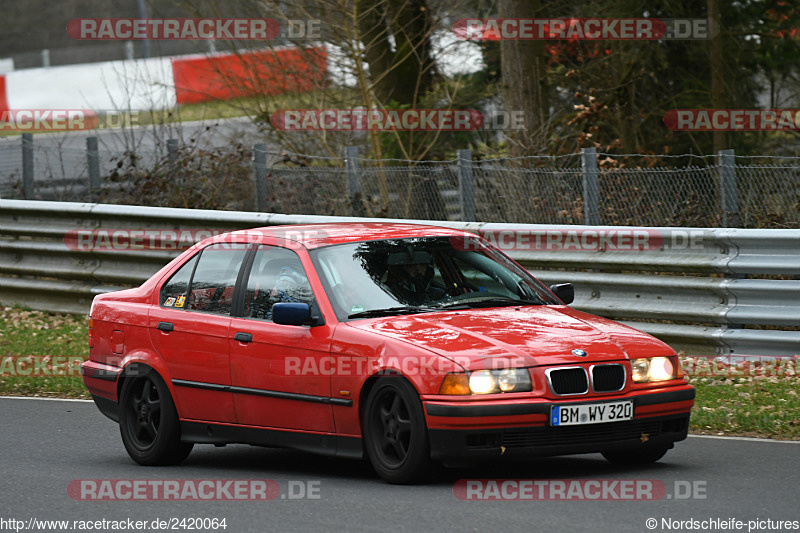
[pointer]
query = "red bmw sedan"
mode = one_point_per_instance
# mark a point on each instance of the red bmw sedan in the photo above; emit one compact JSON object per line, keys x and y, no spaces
{"x":404,"y":344}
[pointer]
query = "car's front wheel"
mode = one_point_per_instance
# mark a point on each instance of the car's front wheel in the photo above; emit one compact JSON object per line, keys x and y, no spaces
{"x":395,"y":434}
{"x":148,"y":420}
{"x":637,"y":456}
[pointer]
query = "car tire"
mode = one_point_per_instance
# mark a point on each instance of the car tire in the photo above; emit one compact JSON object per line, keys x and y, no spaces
{"x":636,"y":456}
{"x":395,"y":434}
{"x":148,"y":420}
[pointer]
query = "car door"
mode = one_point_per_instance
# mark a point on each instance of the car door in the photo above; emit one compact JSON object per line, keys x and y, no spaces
{"x":190,"y":329}
{"x":280,"y":373}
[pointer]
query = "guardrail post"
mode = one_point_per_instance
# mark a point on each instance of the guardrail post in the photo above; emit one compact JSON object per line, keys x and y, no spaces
{"x":27,"y":166}
{"x":729,"y":204}
{"x":260,"y":175}
{"x":729,"y":190}
{"x":591,"y":187}
{"x":466,"y":186}
{"x":93,"y":164}
{"x":354,"y":192}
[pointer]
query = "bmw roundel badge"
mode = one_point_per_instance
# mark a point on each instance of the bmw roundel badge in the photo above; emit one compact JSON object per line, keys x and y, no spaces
{"x":579,"y":352}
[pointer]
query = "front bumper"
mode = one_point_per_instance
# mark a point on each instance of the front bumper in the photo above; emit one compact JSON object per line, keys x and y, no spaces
{"x":488,"y":429}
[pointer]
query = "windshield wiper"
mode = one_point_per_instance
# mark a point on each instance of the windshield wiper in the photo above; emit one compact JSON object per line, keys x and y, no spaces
{"x":493,"y":302}
{"x":389,"y":311}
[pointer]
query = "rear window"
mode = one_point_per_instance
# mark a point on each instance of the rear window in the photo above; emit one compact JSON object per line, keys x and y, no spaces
{"x":214,"y":279}
{"x":176,"y":289}
{"x":206,"y":282}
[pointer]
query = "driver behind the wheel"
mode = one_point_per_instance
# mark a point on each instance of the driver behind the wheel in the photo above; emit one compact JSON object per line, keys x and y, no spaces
{"x":409,"y":278}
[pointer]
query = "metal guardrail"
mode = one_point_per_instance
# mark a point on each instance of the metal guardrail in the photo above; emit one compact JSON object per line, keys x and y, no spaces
{"x":694,"y":288}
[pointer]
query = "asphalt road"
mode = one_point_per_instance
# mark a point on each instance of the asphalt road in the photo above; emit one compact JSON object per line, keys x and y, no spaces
{"x":45,"y":445}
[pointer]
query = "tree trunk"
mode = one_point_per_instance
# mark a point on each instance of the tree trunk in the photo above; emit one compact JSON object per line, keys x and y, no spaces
{"x":717,"y":72}
{"x":405,"y":74}
{"x":524,"y":82}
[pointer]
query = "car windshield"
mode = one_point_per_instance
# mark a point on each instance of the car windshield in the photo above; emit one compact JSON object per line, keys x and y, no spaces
{"x":414,"y":275}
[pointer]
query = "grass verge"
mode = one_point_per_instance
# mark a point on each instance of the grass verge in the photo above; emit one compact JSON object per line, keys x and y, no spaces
{"x":52,"y":341}
{"x":748,"y":399}
{"x":758,"y":401}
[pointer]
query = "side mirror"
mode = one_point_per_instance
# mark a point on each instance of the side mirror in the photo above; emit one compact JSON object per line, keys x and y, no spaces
{"x":294,"y":314}
{"x":564,"y":291}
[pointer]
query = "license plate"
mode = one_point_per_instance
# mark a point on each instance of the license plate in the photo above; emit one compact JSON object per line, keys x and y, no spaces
{"x":591,"y":413}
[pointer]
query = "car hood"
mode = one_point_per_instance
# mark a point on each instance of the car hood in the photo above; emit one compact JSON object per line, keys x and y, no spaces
{"x":517,"y":336}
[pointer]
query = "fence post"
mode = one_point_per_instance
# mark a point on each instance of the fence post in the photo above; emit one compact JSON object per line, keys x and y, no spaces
{"x":591,"y":188}
{"x":93,"y":164}
{"x":172,"y":155}
{"x":27,"y":166}
{"x":354,"y":192}
{"x":260,"y":174}
{"x":142,"y":6}
{"x":466,"y":189}
{"x":729,"y":190}
{"x":45,"y":58}
{"x":172,"y":150}
{"x":130,"y":55}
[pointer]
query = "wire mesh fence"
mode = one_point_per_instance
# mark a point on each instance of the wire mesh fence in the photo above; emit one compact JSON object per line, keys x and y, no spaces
{"x":582,"y":188}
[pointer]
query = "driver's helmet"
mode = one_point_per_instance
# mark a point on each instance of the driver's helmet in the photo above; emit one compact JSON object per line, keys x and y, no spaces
{"x":292,"y":285}
{"x":402,"y":265}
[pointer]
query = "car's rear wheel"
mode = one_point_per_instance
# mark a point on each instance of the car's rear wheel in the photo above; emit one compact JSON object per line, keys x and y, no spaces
{"x":395,"y":434}
{"x":637,"y":456}
{"x":148,"y":420}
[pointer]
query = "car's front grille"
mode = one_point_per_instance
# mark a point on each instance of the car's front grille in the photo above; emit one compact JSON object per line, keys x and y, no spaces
{"x":608,"y":378}
{"x":568,"y":380}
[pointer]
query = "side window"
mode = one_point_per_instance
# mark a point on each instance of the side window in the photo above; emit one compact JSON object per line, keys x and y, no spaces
{"x":277,"y":276}
{"x":174,"y":292}
{"x":211,"y":290}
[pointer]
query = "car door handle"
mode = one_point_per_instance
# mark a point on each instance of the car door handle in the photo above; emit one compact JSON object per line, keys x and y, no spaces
{"x":243,"y":337}
{"x":166,"y":326}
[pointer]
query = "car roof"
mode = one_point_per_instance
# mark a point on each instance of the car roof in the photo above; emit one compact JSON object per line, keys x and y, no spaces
{"x":318,"y":235}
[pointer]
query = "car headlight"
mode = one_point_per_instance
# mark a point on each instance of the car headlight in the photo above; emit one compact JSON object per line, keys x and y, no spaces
{"x":650,"y":369}
{"x":487,"y":382}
